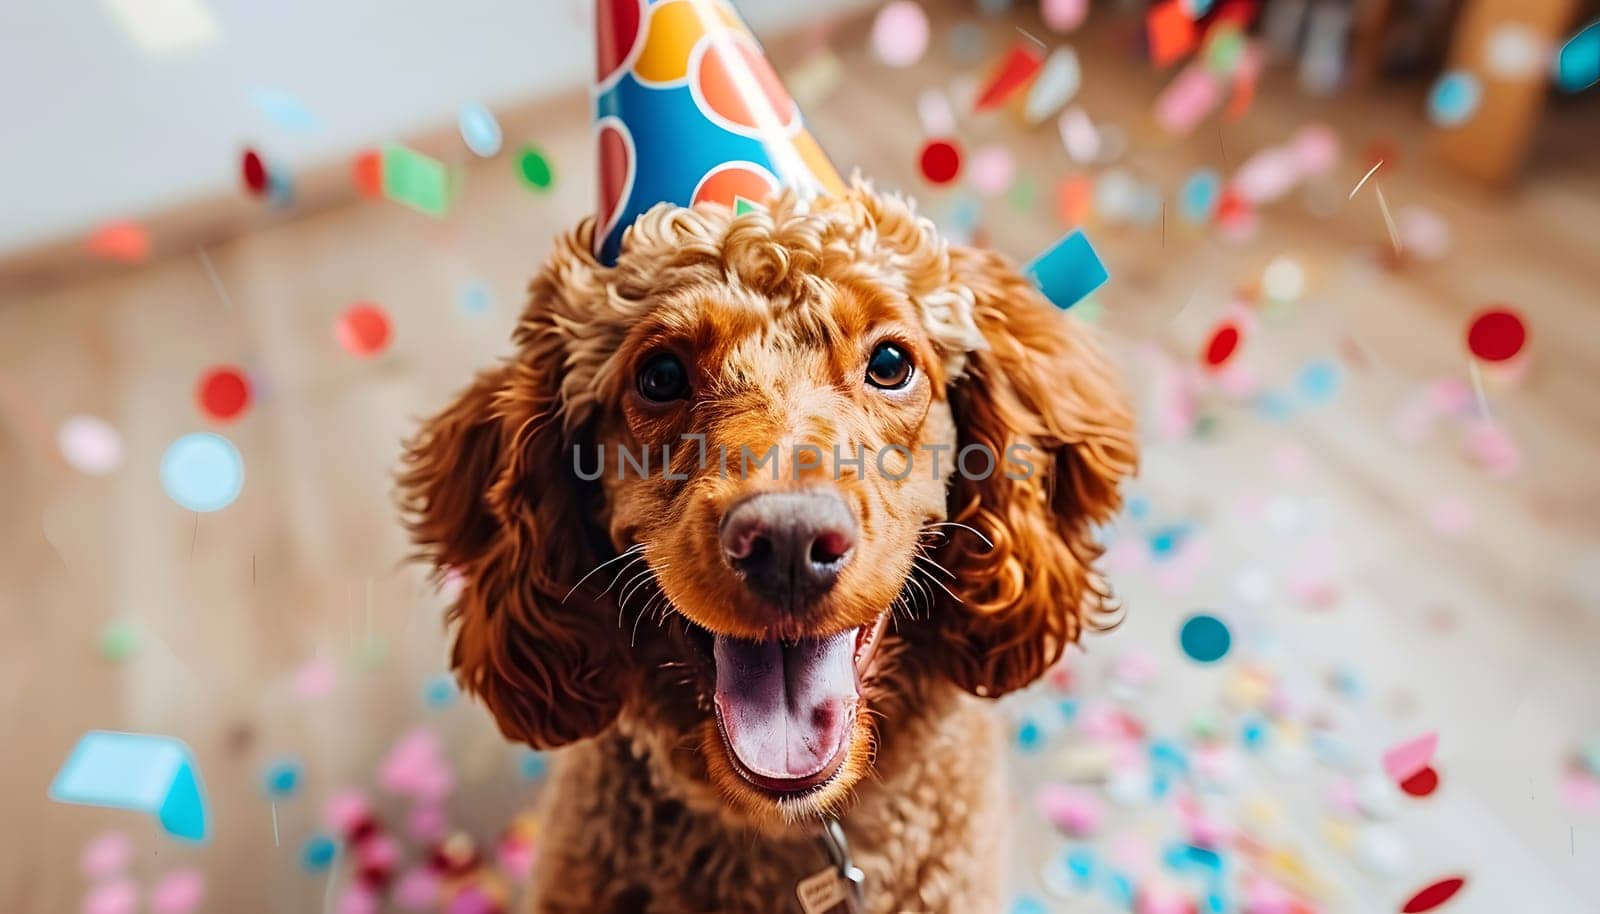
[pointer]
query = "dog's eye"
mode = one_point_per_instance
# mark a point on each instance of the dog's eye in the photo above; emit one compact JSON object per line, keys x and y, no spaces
{"x":663,"y":379}
{"x":889,"y":367}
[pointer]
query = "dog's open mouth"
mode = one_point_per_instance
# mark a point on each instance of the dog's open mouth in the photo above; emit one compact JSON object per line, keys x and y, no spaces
{"x":786,"y":709}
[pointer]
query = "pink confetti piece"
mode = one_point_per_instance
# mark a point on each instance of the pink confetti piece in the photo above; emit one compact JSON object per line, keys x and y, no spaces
{"x":120,"y":897}
{"x":106,"y":855}
{"x":358,"y":899}
{"x":1451,"y":517}
{"x":991,"y":170}
{"x":178,"y":892}
{"x":346,"y":809}
{"x":1188,"y":100}
{"x":1402,"y":761}
{"x":417,"y":890}
{"x":472,"y":900}
{"x":315,"y":679}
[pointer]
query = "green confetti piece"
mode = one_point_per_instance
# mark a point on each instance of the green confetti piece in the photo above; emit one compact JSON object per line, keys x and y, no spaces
{"x":1021,"y":194}
{"x":119,"y":641}
{"x":534,"y":169}
{"x":742,"y":206}
{"x":420,"y":182}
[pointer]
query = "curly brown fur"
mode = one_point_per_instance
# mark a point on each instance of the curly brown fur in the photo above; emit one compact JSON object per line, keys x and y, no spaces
{"x":586,"y":603}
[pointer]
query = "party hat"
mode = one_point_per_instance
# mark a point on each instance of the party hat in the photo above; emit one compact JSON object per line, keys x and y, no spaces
{"x":688,"y":111}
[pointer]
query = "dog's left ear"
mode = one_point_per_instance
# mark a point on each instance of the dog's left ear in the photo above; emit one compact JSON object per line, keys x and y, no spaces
{"x":1044,"y":400}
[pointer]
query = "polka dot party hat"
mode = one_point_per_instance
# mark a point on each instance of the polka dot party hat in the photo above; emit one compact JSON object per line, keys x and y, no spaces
{"x":689,"y":111}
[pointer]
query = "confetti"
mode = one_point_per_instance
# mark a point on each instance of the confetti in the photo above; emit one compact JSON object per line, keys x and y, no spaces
{"x":1170,"y":32}
{"x":1078,"y":135}
{"x":1421,"y":784}
{"x":1190,"y":99}
{"x":317,"y":853}
{"x":178,"y":892}
{"x":223,"y":393}
{"x":124,"y":241}
{"x":1496,"y":334}
{"x":1064,"y":15}
{"x":479,"y":130}
{"x":1069,"y":271}
{"x":119,"y":641}
{"x":1514,"y":51}
{"x":416,"y":180}
{"x":534,"y":169}
{"x":1319,"y":381}
{"x":1268,"y":175}
{"x":284,"y":110}
{"x":1454,"y":98}
{"x":118,"y":897}
{"x":1406,"y":759}
{"x":366,"y":170}
{"x":150,"y":774}
{"x":1058,"y":81}
{"x":202,"y":472}
{"x":1075,"y":811}
{"x":363,"y":330}
{"x":1578,"y":61}
{"x":900,"y":33}
{"x":253,"y":172}
{"x":935,"y":113}
{"x":1074,"y":200}
{"x":1019,"y":66}
{"x":1434,"y":895}
{"x":939,"y":161}
{"x":1197,"y":199}
{"x":106,"y":856}
{"x":89,"y":445}
{"x":1221,"y":346}
{"x":282,"y":778}
{"x":992,"y":170}
{"x":1205,"y":638}
{"x":1284,"y":280}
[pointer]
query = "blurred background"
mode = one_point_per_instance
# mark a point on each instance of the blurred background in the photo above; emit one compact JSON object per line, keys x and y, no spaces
{"x":1355,"y":264}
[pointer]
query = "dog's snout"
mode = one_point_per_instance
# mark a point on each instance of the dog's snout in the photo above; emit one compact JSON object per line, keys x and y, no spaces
{"x":789,"y":546}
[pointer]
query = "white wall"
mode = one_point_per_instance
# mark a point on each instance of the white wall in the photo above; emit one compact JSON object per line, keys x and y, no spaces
{"x":92,"y":126}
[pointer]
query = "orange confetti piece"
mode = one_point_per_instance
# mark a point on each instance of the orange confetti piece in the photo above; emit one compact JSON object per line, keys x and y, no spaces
{"x":1172,"y":34}
{"x":125,"y":241}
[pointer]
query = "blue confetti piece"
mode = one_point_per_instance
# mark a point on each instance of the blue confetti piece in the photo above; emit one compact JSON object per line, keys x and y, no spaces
{"x":1081,"y":864}
{"x":1029,"y":736}
{"x":1253,"y":733}
{"x":1068,"y":709}
{"x":1165,"y":541}
{"x":317,"y":854}
{"x":1027,"y":904}
{"x":282,"y":778}
{"x":154,"y":775}
{"x":475,"y":298}
{"x":1204,"y":858}
{"x":967,"y":42}
{"x":284,"y":110}
{"x":1578,"y":62}
{"x":202,"y":472}
{"x":1319,"y":381}
{"x":439,"y":692}
{"x":1138,"y":507}
{"x":1069,"y":271}
{"x":1454,"y":98}
{"x":1274,"y":405}
{"x":1166,"y":755}
{"x":532,"y":765}
{"x":1215,"y":903}
{"x":1119,"y":888}
{"x":479,"y":130}
{"x":1205,"y":638}
{"x":1199,"y":196}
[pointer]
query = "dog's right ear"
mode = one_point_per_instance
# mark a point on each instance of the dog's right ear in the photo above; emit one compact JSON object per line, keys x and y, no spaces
{"x":489,"y":497}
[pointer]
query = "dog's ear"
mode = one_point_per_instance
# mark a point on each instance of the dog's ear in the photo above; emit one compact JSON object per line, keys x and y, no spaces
{"x":1042,"y":398}
{"x":490,"y":498}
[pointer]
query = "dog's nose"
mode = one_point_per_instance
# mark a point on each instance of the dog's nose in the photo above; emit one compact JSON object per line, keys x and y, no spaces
{"x":790,"y":546}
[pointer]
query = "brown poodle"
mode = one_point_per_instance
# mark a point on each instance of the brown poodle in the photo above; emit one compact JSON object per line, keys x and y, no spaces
{"x":847,"y":482}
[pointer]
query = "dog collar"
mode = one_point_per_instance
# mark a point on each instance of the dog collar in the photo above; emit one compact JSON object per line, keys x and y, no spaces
{"x":837,"y":888}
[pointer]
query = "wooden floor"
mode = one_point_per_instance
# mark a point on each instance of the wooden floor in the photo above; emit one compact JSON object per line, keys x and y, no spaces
{"x":1465,"y":604}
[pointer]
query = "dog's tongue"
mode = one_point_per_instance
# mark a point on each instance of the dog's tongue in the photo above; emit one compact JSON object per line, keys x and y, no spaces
{"x":786,"y":709}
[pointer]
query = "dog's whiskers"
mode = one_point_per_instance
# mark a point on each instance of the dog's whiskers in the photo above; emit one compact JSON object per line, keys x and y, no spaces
{"x":973,"y":530}
{"x":631,"y":550}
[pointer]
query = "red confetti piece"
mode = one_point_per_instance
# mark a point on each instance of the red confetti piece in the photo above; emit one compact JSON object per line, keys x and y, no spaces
{"x":368,"y":172}
{"x":363,"y":330}
{"x":1434,"y":895}
{"x":1224,"y":342}
{"x":254,"y":173}
{"x":1172,"y":34}
{"x":124,"y":241}
{"x":1496,"y":334}
{"x":1421,"y":784}
{"x":1384,"y":151}
{"x":223,"y":394}
{"x":940,"y":161}
{"x":1020,"y":65}
{"x":1074,"y":197}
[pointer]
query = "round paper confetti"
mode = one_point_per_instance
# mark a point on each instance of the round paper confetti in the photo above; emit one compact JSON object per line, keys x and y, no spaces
{"x":1223,"y":343}
{"x":1454,"y":98}
{"x":90,"y":445}
{"x":1433,"y":896}
{"x":534,"y":169}
{"x":253,"y":172}
{"x":1577,"y":64}
{"x":1284,"y":280}
{"x":1319,"y":381}
{"x":223,"y":393}
{"x":119,"y":897}
{"x":1198,"y":198}
{"x":119,"y":641}
{"x":106,"y":856}
{"x":479,"y":130}
{"x":367,"y":172}
{"x":992,"y":170}
{"x":940,"y":161}
{"x":1205,"y":638}
{"x":1513,"y":51}
{"x":1421,"y":784}
{"x":363,"y":330}
{"x":1496,"y":334}
{"x":178,"y":892}
{"x":900,"y":33}
{"x":202,"y":472}
{"x":1064,"y":15}
{"x":318,"y":853}
{"x":282,"y":778}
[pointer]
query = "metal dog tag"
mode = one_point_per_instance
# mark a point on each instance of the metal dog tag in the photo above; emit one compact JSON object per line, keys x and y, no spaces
{"x":838,"y":888}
